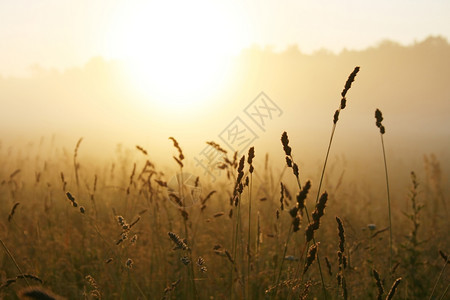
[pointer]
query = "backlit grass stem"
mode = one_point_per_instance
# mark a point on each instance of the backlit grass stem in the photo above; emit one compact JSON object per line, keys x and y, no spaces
{"x":379,"y":119}
{"x":342,"y":105}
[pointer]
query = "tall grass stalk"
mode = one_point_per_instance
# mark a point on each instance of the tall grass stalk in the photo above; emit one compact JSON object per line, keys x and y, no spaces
{"x":251,"y":155}
{"x":13,"y":260}
{"x":185,"y":216}
{"x":249,"y":256}
{"x":318,"y":259}
{"x":439,"y":278}
{"x":379,"y":119}
{"x":76,"y":165}
{"x":389,"y":202}
{"x":295,"y":169}
{"x":445,"y":292}
{"x":236,"y":202}
{"x":342,"y":105}
{"x":277,"y":282}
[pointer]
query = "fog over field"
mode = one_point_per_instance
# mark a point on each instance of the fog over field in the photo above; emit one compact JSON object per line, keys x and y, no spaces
{"x":210,"y":149}
{"x":97,"y":102}
{"x":85,"y":149}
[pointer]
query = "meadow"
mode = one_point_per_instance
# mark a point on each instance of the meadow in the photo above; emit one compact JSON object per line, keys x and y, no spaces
{"x":128,"y":229}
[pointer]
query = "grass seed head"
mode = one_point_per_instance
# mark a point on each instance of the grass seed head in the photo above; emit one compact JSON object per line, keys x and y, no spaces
{"x":336,"y":117}
{"x":177,"y":240}
{"x":301,"y":197}
{"x":251,"y":155}
{"x":285,"y":143}
{"x":348,"y":83}
{"x":341,"y":234}
{"x":296,"y":223}
{"x":129,"y":263}
{"x":288,"y":161}
{"x":312,"y":252}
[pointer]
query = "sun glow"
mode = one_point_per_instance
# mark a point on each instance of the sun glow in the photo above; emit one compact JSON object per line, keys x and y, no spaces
{"x":178,"y":53}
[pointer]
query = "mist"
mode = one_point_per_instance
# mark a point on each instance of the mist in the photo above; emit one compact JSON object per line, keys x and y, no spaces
{"x":96,"y":102}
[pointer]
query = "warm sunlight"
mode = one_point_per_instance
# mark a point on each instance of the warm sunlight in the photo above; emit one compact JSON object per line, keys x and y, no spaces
{"x":178,"y":56}
{"x":224,"y":149}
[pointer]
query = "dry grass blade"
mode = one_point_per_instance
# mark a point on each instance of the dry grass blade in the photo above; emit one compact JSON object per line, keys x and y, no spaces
{"x":342,"y":105}
{"x":207,"y":197}
{"x":11,"y":176}
{"x":379,"y":119}
{"x":217,"y":147}
{"x":440,"y":274}
{"x":444,"y":256}
{"x":76,"y":165}
{"x":393,"y":289}
{"x":327,"y":261}
{"x":13,"y":210}
{"x":378,"y":232}
{"x":161,"y":183}
{"x":13,"y":260}
{"x":142,"y":150}
{"x":29,"y":276}
{"x":170,"y":289}
{"x":379,"y":284}
{"x":177,"y":146}
{"x":7,"y":283}
{"x":38,"y":293}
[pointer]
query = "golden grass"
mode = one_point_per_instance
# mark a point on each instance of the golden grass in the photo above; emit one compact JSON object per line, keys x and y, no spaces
{"x":84,"y":230}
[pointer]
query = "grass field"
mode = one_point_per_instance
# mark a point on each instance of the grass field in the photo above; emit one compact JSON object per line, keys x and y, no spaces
{"x":85,"y":229}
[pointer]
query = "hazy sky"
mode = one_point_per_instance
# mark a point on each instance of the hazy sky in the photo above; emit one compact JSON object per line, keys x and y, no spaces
{"x":63,"y":33}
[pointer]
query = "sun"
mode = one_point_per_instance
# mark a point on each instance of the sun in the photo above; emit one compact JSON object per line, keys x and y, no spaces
{"x":178,"y":53}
